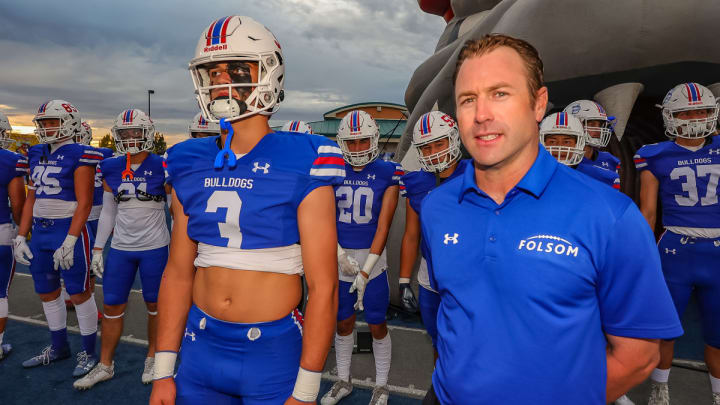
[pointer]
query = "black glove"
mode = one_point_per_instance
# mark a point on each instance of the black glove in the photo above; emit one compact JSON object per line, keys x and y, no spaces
{"x":409,"y":302}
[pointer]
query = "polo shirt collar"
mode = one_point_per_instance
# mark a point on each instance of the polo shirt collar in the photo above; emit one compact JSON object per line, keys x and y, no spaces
{"x":534,"y":182}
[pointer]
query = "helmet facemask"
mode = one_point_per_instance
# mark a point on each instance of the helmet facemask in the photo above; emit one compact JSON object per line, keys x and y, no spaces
{"x":695,"y":128}
{"x":5,"y":140}
{"x":240,"y":96}
{"x":597,"y":136}
{"x":567,"y":155}
{"x":134,"y":139}
{"x":439,"y":161}
{"x":362,"y":157}
{"x":64,"y":130}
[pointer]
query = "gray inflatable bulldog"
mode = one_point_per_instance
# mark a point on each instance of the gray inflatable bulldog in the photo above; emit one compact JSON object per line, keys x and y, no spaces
{"x":610,"y":51}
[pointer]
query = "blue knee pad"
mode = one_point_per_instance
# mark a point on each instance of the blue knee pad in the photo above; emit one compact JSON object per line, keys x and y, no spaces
{"x":228,"y":363}
{"x":375,"y":301}
{"x":429,"y":304}
{"x":120,"y":269}
{"x":691,"y":265}
{"x":47,"y":236}
{"x":7,"y":269}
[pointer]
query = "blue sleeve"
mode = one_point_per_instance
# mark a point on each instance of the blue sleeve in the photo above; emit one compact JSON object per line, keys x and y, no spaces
{"x":328,"y":166}
{"x":642,"y":158}
{"x":634,"y":299}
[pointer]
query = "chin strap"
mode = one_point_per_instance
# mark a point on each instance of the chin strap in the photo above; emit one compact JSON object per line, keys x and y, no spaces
{"x":225,"y":151}
{"x":127,"y":174}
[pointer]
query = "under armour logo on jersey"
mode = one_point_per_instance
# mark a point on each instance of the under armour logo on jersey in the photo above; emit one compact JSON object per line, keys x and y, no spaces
{"x":453,"y":238}
{"x":60,"y":157}
{"x":265,"y":168}
{"x":191,"y":334}
{"x":673,"y":251}
{"x":605,"y":164}
{"x":371,"y":177}
{"x":714,"y":151}
{"x":148,"y":172}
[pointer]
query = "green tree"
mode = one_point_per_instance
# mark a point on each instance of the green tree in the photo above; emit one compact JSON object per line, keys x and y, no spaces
{"x":108,"y":141}
{"x":160,"y":146}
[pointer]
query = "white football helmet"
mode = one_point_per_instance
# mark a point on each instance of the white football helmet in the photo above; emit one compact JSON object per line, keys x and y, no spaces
{"x":588,"y":110}
{"x":297,"y":126}
{"x":200,"y":125}
{"x":134,"y":132}
{"x":431,"y":127}
{"x":5,"y":128}
{"x":689,"y":97}
{"x":69,"y":124}
{"x":85,"y":135}
{"x":235,"y":41}
{"x":562,"y":123}
{"x":358,"y":124}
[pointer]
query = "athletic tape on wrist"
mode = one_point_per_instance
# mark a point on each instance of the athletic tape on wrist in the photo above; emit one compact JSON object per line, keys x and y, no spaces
{"x":164,"y":364}
{"x":307,"y":385}
{"x":404,"y":280}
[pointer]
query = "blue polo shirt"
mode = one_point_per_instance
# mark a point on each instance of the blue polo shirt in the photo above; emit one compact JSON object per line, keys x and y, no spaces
{"x":530,"y":287}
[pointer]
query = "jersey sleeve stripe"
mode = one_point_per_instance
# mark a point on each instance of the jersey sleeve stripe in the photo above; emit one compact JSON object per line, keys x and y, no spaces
{"x":92,"y":161}
{"x":324,"y":172}
{"x":329,"y":149}
{"x":92,"y":152}
{"x":329,"y":160}
{"x":92,"y":157}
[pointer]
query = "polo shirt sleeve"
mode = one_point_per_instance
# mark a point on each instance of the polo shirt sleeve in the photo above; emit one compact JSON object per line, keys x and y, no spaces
{"x":633,"y":297}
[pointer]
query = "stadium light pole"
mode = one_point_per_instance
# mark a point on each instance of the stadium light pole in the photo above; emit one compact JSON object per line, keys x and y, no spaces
{"x":149,"y":93}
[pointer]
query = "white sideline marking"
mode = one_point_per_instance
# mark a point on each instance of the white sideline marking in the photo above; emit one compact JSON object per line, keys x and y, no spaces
{"x":367,"y":383}
{"x":127,"y":339}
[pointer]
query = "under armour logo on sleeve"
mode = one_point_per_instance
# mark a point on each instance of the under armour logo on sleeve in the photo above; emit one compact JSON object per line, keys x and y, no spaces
{"x":453,"y":238}
{"x":605,"y":164}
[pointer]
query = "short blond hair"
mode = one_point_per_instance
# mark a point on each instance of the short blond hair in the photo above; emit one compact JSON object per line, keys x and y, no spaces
{"x":490,"y":42}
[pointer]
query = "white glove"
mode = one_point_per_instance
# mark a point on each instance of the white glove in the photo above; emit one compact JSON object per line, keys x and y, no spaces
{"x":348,"y":265}
{"x":359,"y":284}
{"x":63,"y":256}
{"x":362,"y":278}
{"x":97,"y":265}
{"x":21,"y":250}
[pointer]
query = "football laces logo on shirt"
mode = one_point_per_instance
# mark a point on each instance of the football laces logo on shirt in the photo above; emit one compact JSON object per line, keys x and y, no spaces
{"x":549,"y":244}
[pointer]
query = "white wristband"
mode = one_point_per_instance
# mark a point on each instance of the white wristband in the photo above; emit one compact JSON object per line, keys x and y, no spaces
{"x":404,"y":280}
{"x":307,"y":385}
{"x":370,"y":263}
{"x":164,"y":365}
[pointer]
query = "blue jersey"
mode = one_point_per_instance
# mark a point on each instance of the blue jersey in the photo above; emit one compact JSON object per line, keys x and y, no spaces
{"x":688,"y":182}
{"x":12,"y":165}
{"x":540,"y":277}
{"x":604,"y":160}
{"x":253,"y":205}
{"x":145,"y":183}
{"x":359,"y":200}
{"x":98,"y":194}
{"x":608,"y":177}
{"x":52,"y":174}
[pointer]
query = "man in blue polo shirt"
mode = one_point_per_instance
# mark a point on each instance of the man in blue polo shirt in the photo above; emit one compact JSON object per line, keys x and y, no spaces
{"x":551,"y":289}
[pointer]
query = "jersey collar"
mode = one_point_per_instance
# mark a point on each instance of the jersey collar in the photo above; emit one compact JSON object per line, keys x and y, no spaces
{"x":534,"y":182}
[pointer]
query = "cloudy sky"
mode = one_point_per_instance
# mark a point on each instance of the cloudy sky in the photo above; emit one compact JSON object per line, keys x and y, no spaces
{"x":103,"y":56}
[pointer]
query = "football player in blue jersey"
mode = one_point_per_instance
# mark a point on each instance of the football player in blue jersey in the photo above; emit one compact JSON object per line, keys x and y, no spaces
{"x":684,"y":173}
{"x":59,"y":200}
{"x":201,"y":128}
{"x":598,"y":130}
{"x":12,"y":188}
{"x":366,"y":203}
{"x":254,"y":209}
{"x":297,"y":126}
{"x":563,"y":136}
{"x":437,"y":144}
{"x":134,"y":212}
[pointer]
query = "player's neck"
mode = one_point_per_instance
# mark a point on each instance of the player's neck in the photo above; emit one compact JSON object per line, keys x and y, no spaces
{"x":690,"y":142}
{"x":449,"y":171}
{"x":247,"y":133}
{"x":138,"y":157}
{"x":56,"y":146}
{"x":589,"y":152}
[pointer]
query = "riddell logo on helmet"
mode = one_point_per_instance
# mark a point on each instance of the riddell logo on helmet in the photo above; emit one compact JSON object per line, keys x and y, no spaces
{"x":219,"y":47}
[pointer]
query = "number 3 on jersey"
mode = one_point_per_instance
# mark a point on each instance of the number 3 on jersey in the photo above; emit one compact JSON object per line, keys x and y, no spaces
{"x":230,"y":229}
{"x":361,"y":213}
